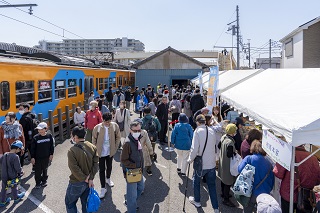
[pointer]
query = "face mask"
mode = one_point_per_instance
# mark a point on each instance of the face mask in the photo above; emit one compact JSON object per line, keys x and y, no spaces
{"x":92,"y":107}
{"x":21,"y":112}
{"x":136,"y":135}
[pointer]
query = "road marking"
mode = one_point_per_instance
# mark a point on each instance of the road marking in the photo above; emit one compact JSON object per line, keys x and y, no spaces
{"x":158,"y":164}
{"x":36,"y":201}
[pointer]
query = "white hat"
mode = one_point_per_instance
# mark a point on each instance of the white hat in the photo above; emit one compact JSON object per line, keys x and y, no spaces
{"x":42,"y":125}
{"x":267,"y":204}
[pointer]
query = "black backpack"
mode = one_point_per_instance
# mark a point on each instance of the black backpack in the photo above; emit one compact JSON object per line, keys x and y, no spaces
{"x":151,"y":127}
{"x":34,"y":123}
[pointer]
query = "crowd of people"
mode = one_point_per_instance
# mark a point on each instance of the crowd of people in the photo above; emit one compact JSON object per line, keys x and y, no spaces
{"x":207,"y":138}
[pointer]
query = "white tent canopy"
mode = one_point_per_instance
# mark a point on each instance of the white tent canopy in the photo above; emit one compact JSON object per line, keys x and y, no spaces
{"x":205,"y":78}
{"x":284,"y":100}
{"x":232,"y":78}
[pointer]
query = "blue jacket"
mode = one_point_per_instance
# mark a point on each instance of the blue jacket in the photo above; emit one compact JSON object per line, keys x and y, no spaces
{"x":181,"y":136}
{"x":139,"y":107}
{"x":262,"y":167}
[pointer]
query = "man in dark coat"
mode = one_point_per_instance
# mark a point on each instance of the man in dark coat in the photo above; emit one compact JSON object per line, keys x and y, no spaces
{"x":135,"y":95}
{"x":162,"y":115}
{"x":109,"y":96}
{"x":196,"y":101}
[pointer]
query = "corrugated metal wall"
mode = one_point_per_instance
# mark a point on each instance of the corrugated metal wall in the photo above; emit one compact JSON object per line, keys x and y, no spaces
{"x":165,"y":76}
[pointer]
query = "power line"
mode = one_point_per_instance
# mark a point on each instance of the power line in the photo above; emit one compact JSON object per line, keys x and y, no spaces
{"x":8,"y":3}
{"x":224,"y":28}
{"x":32,"y":26}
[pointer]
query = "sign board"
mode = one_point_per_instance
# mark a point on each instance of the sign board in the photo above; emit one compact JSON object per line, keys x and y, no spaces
{"x":279,"y":150}
{"x":44,"y":85}
{"x":213,"y":87}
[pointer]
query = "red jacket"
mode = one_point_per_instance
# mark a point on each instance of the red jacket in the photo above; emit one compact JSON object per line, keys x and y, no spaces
{"x":92,"y":118}
{"x":309,"y":173}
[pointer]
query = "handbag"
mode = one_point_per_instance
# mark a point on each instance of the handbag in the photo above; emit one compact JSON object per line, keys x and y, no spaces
{"x":121,"y":124}
{"x":306,"y":197}
{"x":234,"y":163}
{"x":134,"y":175}
{"x":198,"y":162}
{"x":93,"y":201}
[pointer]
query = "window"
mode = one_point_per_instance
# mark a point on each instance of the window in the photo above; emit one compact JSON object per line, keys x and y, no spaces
{"x":80,"y":86}
{"x":25,"y":92}
{"x":60,"y":89}
{"x":120,"y":80}
{"x":97,"y":83}
{"x":100,"y":83}
{"x":44,"y":91}
{"x":5,"y":95}
{"x":106,"y":83}
{"x":72,"y":88}
{"x":289,"y":48}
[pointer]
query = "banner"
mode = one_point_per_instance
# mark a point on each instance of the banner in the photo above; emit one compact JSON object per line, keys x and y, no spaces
{"x":279,"y":150}
{"x":213,"y":87}
{"x":200,"y":83}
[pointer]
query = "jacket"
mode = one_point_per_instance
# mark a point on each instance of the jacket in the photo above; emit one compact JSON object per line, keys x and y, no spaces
{"x":42,"y":146}
{"x":109,"y":96}
{"x":197,"y":147}
{"x":12,"y":162}
{"x":142,"y":103}
{"x":92,"y":118}
{"x":227,"y":151}
{"x":187,"y":109}
{"x":5,"y":143}
{"x":131,"y":157}
{"x":196,"y":103}
{"x":26,"y":122}
{"x":181,"y":136}
{"x":118,"y":117}
{"x":115,"y":99}
{"x":262,"y":168}
{"x":135,"y":95}
{"x":114,"y":137}
{"x":79,"y":118}
{"x":245,"y":149}
{"x":81,"y":164}
{"x":146,"y":119}
{"x":147,"y":149}
{"x":175,"y":106}
{"x":162,"y":112}
{"x":309,"y":173}
{"x":127,"y":95}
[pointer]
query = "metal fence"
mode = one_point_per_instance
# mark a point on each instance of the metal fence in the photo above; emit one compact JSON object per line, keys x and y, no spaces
{"x":62,"y":129}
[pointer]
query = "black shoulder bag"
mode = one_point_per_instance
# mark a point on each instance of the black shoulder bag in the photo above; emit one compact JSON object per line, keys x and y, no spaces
{"x":198,"y":162}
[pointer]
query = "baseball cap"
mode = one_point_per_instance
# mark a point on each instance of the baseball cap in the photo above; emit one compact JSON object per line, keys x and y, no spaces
{"x":267,"y":204}
{"x":17,"y":144}
{"x":42,"y":125}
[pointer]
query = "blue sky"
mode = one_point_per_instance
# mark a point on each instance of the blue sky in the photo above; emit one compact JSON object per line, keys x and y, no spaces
{"x":182,"y":24}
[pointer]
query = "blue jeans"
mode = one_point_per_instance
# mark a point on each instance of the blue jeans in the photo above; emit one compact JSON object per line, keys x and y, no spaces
{"x":74,"y":192}
{"x":210,"y":175}
{"x":134,"y":191}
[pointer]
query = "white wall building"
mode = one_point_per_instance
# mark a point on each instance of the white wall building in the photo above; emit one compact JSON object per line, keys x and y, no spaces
{"x":301,"y":48}
{"x":91,"y":46}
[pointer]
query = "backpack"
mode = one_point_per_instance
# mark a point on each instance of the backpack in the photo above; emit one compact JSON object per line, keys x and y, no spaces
{"x":33,"y":123}
{"x":151,"y":127}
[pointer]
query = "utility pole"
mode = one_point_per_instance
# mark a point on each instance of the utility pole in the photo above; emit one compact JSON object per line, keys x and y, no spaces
{"x":249,"y":53}
{"x":20,"y":5}
{"x":238,"y":40}
{"x":269,"y":53}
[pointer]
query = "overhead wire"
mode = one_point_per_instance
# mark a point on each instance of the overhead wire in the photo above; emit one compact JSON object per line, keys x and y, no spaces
{"x":224,"y":29}
{"x":8,"y":3}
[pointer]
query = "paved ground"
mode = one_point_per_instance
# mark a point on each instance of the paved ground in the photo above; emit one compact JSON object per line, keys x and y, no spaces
{"x":164,"y":191}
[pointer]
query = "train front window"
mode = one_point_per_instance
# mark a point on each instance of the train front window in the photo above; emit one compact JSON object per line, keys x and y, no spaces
{"x":72,"y":88}
{"x":60,"y":89}
{"x":44,"y":91}
{"x":80,"y":86}
{"x":5,"y":95}
{"x":25,"y":92}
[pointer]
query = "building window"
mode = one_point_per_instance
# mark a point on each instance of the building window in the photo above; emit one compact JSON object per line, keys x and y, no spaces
{"x":72,"y":88}
{"x":44,"y":91}
{"x":5,"y":95}
{"x":289,"y":48}
{"x":25,"y":92}
{"x":60,"y":89}
{"x":80,"y":86}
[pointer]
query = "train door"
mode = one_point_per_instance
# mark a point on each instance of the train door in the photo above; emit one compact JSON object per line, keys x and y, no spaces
{"x":88,"y":86}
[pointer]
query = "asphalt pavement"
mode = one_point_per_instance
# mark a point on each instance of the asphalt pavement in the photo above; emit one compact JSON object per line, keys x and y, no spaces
{"x":164,"y":190}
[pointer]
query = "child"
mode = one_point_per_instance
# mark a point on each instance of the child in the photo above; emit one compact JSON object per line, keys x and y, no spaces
{"x":11,"y":171}
{"x":181,"y":139}
{"x":42,"y":149}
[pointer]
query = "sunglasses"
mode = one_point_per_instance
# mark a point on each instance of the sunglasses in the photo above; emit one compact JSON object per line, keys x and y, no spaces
{"x":139,"y":130}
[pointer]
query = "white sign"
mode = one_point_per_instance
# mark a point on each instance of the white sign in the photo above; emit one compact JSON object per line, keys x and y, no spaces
{"x":277,"y":149}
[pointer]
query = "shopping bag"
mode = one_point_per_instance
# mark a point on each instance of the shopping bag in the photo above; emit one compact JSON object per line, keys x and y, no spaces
{"x":234,"y":163}
{"x":93,"y":201}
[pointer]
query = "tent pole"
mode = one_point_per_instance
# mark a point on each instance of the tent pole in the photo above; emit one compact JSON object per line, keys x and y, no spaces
{"x":292,"y":178}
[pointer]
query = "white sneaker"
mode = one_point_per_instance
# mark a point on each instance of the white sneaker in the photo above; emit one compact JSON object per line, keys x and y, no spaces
{"x":103,"y":193}
{"x":216,"y":211}
{"x":110,"y":183}
{"x":193,"y":202}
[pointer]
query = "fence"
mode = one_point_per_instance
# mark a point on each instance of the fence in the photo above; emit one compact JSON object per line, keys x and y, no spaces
{"x":61,"y":130}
